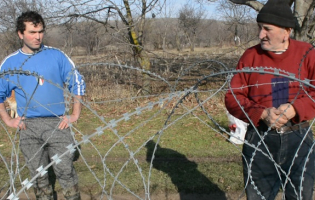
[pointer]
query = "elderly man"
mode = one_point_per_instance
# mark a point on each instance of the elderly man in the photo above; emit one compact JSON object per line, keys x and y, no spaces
{"x":280,"y":152}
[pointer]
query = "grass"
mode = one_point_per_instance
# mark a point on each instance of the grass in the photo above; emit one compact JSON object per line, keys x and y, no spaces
{"x":191,"y":156}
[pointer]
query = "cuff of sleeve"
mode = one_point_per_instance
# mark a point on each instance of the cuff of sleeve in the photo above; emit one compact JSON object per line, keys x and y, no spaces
{"x":257,"y":115}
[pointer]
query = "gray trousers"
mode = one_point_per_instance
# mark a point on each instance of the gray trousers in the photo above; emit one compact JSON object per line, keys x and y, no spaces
{"x":42,"y":140}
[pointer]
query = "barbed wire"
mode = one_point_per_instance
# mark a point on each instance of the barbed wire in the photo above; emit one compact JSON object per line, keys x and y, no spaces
{"x":172,"y":101}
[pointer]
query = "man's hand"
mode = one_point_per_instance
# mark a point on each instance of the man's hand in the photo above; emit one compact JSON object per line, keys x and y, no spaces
{"x":287,"y":111}
{"x":74,"y":116}
{"x":67,"y":120}
{"x":272,"y":118}
{"x":277,"y":117}
{"x":11,"y":122}
{"x":16,"y":123}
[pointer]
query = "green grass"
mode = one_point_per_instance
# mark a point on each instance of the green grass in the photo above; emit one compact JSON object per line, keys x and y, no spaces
{"x":191,"y":156}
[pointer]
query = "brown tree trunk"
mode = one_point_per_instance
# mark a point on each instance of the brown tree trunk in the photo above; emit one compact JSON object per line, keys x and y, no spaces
{"x":140,"y":55}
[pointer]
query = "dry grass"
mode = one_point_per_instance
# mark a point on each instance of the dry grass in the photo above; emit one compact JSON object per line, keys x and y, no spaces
{"x":181,"y":70}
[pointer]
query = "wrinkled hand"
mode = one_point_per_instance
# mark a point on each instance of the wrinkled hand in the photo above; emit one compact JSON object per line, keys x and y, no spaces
{"x":287,"y":111}
{"x":67,"y":120}
{"x":16,"y":123}
{"x":272,"y":118}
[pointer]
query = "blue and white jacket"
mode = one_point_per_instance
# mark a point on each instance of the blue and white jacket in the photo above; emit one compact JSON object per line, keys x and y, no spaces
{"x":42,"y":95}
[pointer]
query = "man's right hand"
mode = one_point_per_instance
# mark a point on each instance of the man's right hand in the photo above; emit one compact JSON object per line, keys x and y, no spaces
{"x":272,"y":118}
{"x":11,"y":122}
{"x":16,"y":123}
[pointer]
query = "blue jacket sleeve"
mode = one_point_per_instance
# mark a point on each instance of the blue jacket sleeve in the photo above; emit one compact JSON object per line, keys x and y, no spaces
{"x":4,"y":89}
{"x":71,"y":77}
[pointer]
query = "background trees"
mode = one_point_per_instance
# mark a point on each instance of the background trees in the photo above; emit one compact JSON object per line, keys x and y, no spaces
{"x":237,"y":18}
{"x":189,"y":21}
{"x":126,"y":18}
{"x":134,"y":28}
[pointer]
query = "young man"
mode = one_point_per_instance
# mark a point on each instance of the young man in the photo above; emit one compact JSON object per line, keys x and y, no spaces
{"x":42,"y":122}
{"x":278,"y":150}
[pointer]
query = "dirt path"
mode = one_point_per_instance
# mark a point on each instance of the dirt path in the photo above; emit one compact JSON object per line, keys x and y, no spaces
{"x":161,"y":196}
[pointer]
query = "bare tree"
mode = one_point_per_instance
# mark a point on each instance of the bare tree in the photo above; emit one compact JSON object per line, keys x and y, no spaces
{"x":235,"y":17}
{"x":189,"y":21}
{"x":132,"y":14}
{"x":162,"y":28}
{"x":89,"y":35}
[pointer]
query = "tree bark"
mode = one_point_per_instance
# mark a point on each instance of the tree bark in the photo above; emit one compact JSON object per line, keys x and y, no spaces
{"x":140,"y":55}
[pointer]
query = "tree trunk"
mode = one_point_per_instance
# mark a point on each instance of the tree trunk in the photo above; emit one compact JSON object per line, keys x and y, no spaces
{"x":303,"y":12}
{"x":140,"y":55}
{"x":192,"y":43}
{"x":178,"y":43}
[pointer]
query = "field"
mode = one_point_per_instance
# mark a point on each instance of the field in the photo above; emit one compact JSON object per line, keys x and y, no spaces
{"x":169,"y":144}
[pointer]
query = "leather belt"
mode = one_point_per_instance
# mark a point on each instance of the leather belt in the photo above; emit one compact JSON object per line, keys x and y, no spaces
{"x":292,"y":128}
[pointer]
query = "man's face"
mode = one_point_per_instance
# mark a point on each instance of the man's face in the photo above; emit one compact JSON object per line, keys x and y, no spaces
{"x":32,"y":37}
{"x":273,"y":38}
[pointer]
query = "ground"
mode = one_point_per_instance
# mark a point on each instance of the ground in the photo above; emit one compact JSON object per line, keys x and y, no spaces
{"x":162,"y":196}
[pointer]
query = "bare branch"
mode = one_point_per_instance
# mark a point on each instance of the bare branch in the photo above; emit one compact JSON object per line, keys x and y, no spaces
{"x":256,"y":5}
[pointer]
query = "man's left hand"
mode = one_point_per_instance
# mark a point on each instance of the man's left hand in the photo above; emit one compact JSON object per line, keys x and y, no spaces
{"x":68,"y":119}
{"x":287,"y":111}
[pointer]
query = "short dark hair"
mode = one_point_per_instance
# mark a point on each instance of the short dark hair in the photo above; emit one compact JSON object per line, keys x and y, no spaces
{"x":28,"y":16}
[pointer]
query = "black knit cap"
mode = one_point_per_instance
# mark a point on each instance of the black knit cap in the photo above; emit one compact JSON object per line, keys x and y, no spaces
{"x":277,"y":12}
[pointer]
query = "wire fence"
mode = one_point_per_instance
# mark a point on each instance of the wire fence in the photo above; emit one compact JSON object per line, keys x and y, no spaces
{"x":211,"y":79}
